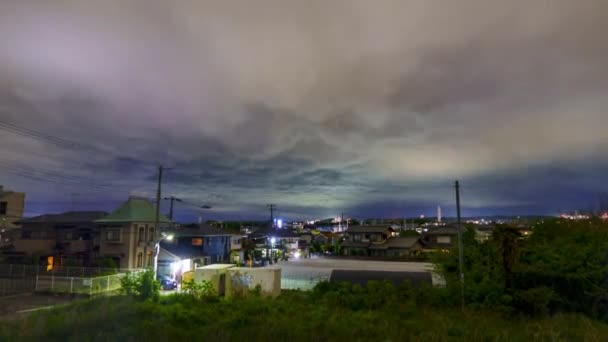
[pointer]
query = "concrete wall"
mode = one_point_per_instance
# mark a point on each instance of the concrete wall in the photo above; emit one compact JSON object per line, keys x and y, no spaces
{"x":242,"y":279}
{"x":239,"y":280}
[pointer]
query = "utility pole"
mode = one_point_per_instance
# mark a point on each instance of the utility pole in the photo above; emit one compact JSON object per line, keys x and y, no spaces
{"x":172,"y":199}
{"x":272,"y":207}
{"x":156,"y":219}
{"x":460,"y":247}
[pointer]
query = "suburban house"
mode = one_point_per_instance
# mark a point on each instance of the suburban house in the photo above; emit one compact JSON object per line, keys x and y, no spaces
{"x":201,"y":244}
{"x":325,"y":238}
{"x":267,"y":239}
{"x":397,"y":247}
{"x":129,"y":234}
{"x":361,"y":238}
{"x":236,"y":249}
{"x":11,"y":211}
{"x":12,"y":205}
{"x":442,"y":238}
{"x":69,"y":238}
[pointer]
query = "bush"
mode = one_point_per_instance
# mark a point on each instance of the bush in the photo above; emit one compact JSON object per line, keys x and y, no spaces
{"x":143,"y":285}
{"x":202,"y":290}
{"x":535,"y":300}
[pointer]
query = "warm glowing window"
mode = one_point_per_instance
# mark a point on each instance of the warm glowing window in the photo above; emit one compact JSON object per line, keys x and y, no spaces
{"x":140,"y":259}
{"x":197,"y":241}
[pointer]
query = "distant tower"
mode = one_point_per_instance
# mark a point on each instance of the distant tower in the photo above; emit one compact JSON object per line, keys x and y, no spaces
{"x":439,"y":214}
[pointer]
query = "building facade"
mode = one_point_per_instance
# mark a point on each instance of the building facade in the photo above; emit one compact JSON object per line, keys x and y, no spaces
{"x":129,"y":234}
{"x":12,"y":206}
{"x":59,"y":239}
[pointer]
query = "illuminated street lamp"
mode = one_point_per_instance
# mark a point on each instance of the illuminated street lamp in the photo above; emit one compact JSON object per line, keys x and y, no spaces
{"x":163,"y":236}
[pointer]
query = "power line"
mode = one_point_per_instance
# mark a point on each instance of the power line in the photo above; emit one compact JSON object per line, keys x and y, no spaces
{"x":48,"y":175}
{"x":6,"y":126}
{"x":54,"y":140}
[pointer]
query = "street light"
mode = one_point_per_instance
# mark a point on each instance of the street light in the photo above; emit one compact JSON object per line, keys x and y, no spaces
{"x":163,"y":236}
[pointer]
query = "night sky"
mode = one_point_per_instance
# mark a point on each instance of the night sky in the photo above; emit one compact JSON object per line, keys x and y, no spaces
{"x":372,"y":108}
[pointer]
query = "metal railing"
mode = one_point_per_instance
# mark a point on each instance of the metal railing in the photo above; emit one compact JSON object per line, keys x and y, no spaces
{"x":24,"y":271}
{"x":79,"y":285}
{"x":18,"y":279}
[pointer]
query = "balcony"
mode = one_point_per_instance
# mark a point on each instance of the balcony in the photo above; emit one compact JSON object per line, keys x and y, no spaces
{"x":30,"y":246}
{"x":77,"y":246}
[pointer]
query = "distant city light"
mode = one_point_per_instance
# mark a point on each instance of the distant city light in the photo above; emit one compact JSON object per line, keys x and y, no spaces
{"x":280,"y":223}
{"x":273,"y":240}
{"x":421,"y":216}
{"x":296,"y":254}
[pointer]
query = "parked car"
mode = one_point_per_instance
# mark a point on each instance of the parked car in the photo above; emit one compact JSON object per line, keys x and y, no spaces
{"x":166,"y":282}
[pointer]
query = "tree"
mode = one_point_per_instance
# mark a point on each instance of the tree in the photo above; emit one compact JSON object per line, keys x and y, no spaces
{"x":507,"y":239}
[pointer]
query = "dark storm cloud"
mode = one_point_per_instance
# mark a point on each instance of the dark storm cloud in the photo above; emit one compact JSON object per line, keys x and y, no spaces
{"x":318,"y":105}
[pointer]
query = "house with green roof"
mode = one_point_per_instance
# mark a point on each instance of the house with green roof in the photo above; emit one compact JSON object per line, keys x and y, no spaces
{"x":128,"y":235}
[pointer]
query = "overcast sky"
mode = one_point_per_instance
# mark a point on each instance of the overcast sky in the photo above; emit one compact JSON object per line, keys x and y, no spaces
{"x":373,"y":108}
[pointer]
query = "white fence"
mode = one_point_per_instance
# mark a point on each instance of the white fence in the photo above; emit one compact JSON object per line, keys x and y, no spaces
{"x":79,"y":285}
{"x":17,"y":279}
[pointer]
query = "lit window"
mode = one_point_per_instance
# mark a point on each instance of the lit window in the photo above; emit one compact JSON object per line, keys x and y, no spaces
{"x":140,"y":257}
{"x":151,"y":234}
{"x":197,"y":241}
{"x":149,"y":259}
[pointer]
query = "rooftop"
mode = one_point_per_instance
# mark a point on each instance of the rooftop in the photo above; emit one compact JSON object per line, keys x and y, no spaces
{"x":135,"y":210}
{"x":67,"y":217}
{"x":397,"y":242}
{"x":369,"y":229}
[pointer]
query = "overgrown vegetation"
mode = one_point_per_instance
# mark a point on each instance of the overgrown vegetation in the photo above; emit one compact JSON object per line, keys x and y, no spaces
{"x":141,"y":285}
{"x":335,"y":312}
{"x":561,"y":267}
{"x":549,"y":286}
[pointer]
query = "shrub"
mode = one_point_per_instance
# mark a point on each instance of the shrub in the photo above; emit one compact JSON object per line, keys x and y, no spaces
{"x":143,"y":285}
{"x":535,"y":300}
{"x":202,"y":290}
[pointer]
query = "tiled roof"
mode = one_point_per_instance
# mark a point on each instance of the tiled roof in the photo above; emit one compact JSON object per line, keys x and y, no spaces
{"x":401,"y":242}
{"x":442,"y":231}
{"x":368,"y":229}
{"x":135,"y":210}
{"x":67,"y":217}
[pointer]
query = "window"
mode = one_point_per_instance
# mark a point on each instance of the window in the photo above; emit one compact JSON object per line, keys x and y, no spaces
{"x":209,"y":241}
{"x":113,"y":235}
{"x":68,"y":236}
{"x":149,"y":259}
{"x":141,"y":234}
{"x":140,"y":257}
{"x":197,"y":241}
{"x":26,"y":234}
{"x":444,"y":239}
{"x":3,"y":209}
{"x":151,"y":236}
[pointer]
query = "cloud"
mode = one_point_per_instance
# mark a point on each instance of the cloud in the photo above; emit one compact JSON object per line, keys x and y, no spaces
{"x":318,"y":105}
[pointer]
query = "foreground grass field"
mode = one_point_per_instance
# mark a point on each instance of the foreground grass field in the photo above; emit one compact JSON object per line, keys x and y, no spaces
{"x":294,"y":316}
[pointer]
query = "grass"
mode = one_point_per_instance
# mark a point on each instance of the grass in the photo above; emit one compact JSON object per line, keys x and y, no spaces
{"x":294,"y":316}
